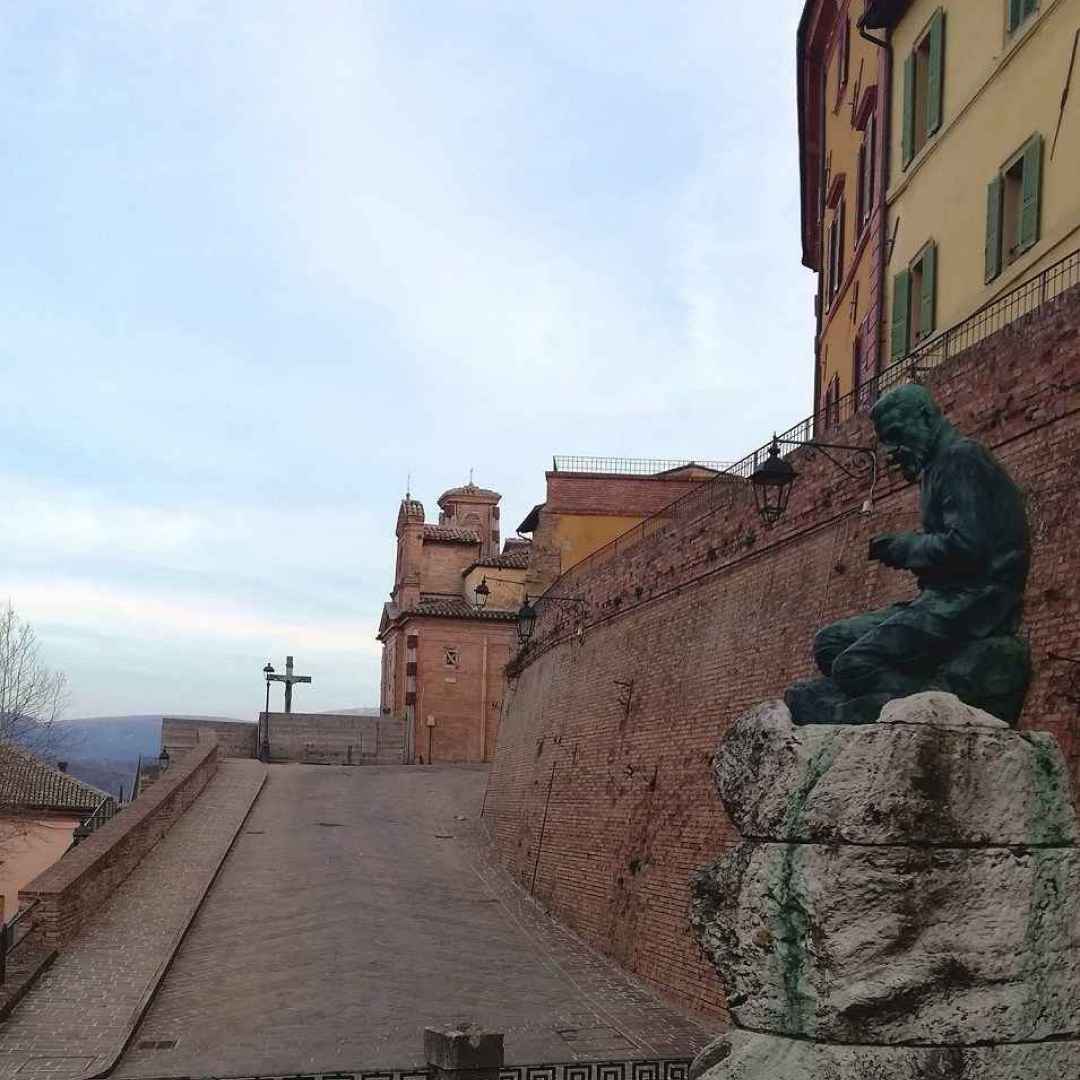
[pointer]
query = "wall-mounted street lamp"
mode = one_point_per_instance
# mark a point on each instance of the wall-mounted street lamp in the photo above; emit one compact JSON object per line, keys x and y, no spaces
{"x":163,"y":758}
{"x":526,"y":620}
{"x":773,"y":479}
{"x":527,"y":613}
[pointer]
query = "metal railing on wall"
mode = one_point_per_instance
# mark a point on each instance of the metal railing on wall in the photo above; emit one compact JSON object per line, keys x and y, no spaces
{"x":12,"y":933}
{"x":105,"y":812}
{"x":620,"y":466}
{"x":1021,"y":300}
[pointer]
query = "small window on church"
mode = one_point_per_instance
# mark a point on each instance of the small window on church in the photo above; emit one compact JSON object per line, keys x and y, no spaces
{"x":451,"y":657}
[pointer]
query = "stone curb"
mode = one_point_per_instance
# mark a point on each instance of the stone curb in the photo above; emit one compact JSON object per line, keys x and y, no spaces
{"x":105,"y":1064}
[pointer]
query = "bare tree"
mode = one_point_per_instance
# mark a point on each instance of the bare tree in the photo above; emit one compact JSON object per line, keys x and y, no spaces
{"x":32,"y":696}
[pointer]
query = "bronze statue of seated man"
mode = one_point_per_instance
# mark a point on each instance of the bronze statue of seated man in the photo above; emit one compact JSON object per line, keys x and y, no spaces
{"x":971,"y":562}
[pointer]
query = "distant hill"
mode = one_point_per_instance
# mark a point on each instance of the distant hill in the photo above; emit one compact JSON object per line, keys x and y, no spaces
{"x":104,"y":750}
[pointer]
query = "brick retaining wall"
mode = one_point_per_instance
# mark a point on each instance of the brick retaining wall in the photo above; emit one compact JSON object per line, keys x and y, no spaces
{"x":336,"y":738}
{"x":712,"y":614}
{"x":76,"y":886}
{"x":236,"y":738}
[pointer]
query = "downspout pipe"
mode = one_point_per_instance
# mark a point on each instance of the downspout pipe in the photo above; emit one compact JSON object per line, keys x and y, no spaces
{"x":885,"y":100}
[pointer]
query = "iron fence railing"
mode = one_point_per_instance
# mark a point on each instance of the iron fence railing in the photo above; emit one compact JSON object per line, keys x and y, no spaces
{"x":619,"y":466}
{"x":1021,"y":300}
{"x":12,"y":933}
{"x":106,"y":811}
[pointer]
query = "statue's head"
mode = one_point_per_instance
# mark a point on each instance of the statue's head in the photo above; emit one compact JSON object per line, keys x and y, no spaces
{"x":908,"y":423}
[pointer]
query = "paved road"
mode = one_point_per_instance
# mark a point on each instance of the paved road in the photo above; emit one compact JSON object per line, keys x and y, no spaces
{"x":76,"y":1017}
{"x":356,"y":907}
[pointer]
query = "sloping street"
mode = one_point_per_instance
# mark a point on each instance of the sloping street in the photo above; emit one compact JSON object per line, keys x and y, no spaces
{"x":358,"y":906}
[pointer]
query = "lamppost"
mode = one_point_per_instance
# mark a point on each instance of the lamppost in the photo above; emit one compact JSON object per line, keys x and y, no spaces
{"x":264,"y":751}
{"x":772,"y":480}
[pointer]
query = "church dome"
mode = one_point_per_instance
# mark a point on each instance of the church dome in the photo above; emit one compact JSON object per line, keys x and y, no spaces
{"x":469,"y":493}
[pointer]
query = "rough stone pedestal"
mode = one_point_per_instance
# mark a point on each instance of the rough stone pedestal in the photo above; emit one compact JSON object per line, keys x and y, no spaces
{"x":905,"y":904}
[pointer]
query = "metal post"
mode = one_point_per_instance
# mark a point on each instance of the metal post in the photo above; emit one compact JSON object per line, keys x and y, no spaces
{"x":266,"y":726}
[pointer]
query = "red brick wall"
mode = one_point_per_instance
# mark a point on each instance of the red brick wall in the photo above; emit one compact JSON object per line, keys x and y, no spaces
{"x":443,"y":565}
{"x":74,"y":888}
{"x":711,"y":615}
{"x":587,"y":493}
{"x":465,"y":702}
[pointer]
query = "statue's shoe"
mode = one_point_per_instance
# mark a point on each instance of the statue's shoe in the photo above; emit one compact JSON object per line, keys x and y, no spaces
{"x":815,"y":701}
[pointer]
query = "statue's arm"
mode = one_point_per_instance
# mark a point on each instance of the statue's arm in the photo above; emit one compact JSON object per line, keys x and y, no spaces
{"x":967,"y":492}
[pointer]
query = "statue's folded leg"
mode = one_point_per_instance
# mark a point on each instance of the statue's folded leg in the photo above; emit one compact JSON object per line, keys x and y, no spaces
{"x":900,"y":655}
{"x":830,"y":641}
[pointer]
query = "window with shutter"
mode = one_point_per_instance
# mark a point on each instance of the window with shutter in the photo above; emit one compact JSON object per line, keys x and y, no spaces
{"x":1021,"y":183}
{"x":935,"y":75}
{"x":1032,"y":185}
{"x":924,"y":78}
{"x":908,"y":132}
{"x":900,"y":314}
{"x":993,"y":228}
{"x":1020,"y":11}
{"x":927,"y":294}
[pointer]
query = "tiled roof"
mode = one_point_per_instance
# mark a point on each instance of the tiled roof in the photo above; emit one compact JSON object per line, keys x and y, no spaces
{"x":450,"y":607}
{"x":451,"y":534}
{"x":508,"y":560}
{"x":26,"y":781}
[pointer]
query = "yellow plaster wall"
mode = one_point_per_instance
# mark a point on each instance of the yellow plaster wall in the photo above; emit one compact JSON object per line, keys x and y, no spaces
{"x":507,"y":587}
{"x":842,"y":143}
{"x":578,"y":535}
{"x":998,"y":90}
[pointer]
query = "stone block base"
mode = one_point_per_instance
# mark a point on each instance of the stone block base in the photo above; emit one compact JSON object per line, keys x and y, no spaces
{"x":744,"y":1055}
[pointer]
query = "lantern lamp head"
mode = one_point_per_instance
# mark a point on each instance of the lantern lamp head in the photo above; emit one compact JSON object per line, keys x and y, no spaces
{"x":772,"y":481}
{"x":526,"y":622}
{"x":482,"y":593}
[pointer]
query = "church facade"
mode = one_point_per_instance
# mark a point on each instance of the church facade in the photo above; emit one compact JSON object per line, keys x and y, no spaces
{"x":443,"y":659}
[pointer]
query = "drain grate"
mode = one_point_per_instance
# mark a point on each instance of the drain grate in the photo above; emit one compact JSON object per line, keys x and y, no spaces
{"x":330,"y":824}
{"x":156,"y":1044}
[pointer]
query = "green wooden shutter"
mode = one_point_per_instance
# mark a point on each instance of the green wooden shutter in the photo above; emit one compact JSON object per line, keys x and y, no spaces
{"x":936,"y":73}
{"x":908,"y":130}
{"x":1029,"y":7}
{"x":901,"y":296}
{"x":993,"y":228}
{"x":1016,"y":13}
{"x":929,"y":291}
{"x":1029,"y":215}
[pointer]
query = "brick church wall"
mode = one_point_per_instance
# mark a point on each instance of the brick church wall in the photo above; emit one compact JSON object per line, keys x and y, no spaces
{"x":465,"y":701}
{"x":713,"y":614}
{"x":443,"y":565}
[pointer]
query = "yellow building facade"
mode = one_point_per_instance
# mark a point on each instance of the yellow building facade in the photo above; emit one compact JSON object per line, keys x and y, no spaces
{"x":842,"y":80}
{"x":984,"y":154}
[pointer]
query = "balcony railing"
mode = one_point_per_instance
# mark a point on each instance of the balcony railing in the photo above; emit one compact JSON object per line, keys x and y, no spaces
{"x":617,"y":466}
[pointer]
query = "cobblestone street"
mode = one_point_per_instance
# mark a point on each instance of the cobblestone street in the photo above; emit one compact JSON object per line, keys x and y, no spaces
{"x":359,"y":905}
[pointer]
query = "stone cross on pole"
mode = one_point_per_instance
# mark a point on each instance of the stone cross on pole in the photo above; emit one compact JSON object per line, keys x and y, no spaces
{"x":288,"y":679}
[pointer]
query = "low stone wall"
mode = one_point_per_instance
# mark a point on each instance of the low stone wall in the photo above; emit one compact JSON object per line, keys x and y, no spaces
{"x":236,"y":738}
{"x":335,"y":738}
{"x":76,"y":886}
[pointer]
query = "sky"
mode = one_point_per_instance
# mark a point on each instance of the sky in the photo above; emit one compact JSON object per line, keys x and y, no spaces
{"x":266,"y":260}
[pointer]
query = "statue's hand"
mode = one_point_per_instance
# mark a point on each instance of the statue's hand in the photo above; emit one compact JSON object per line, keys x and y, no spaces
{"x":890,"y":549}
